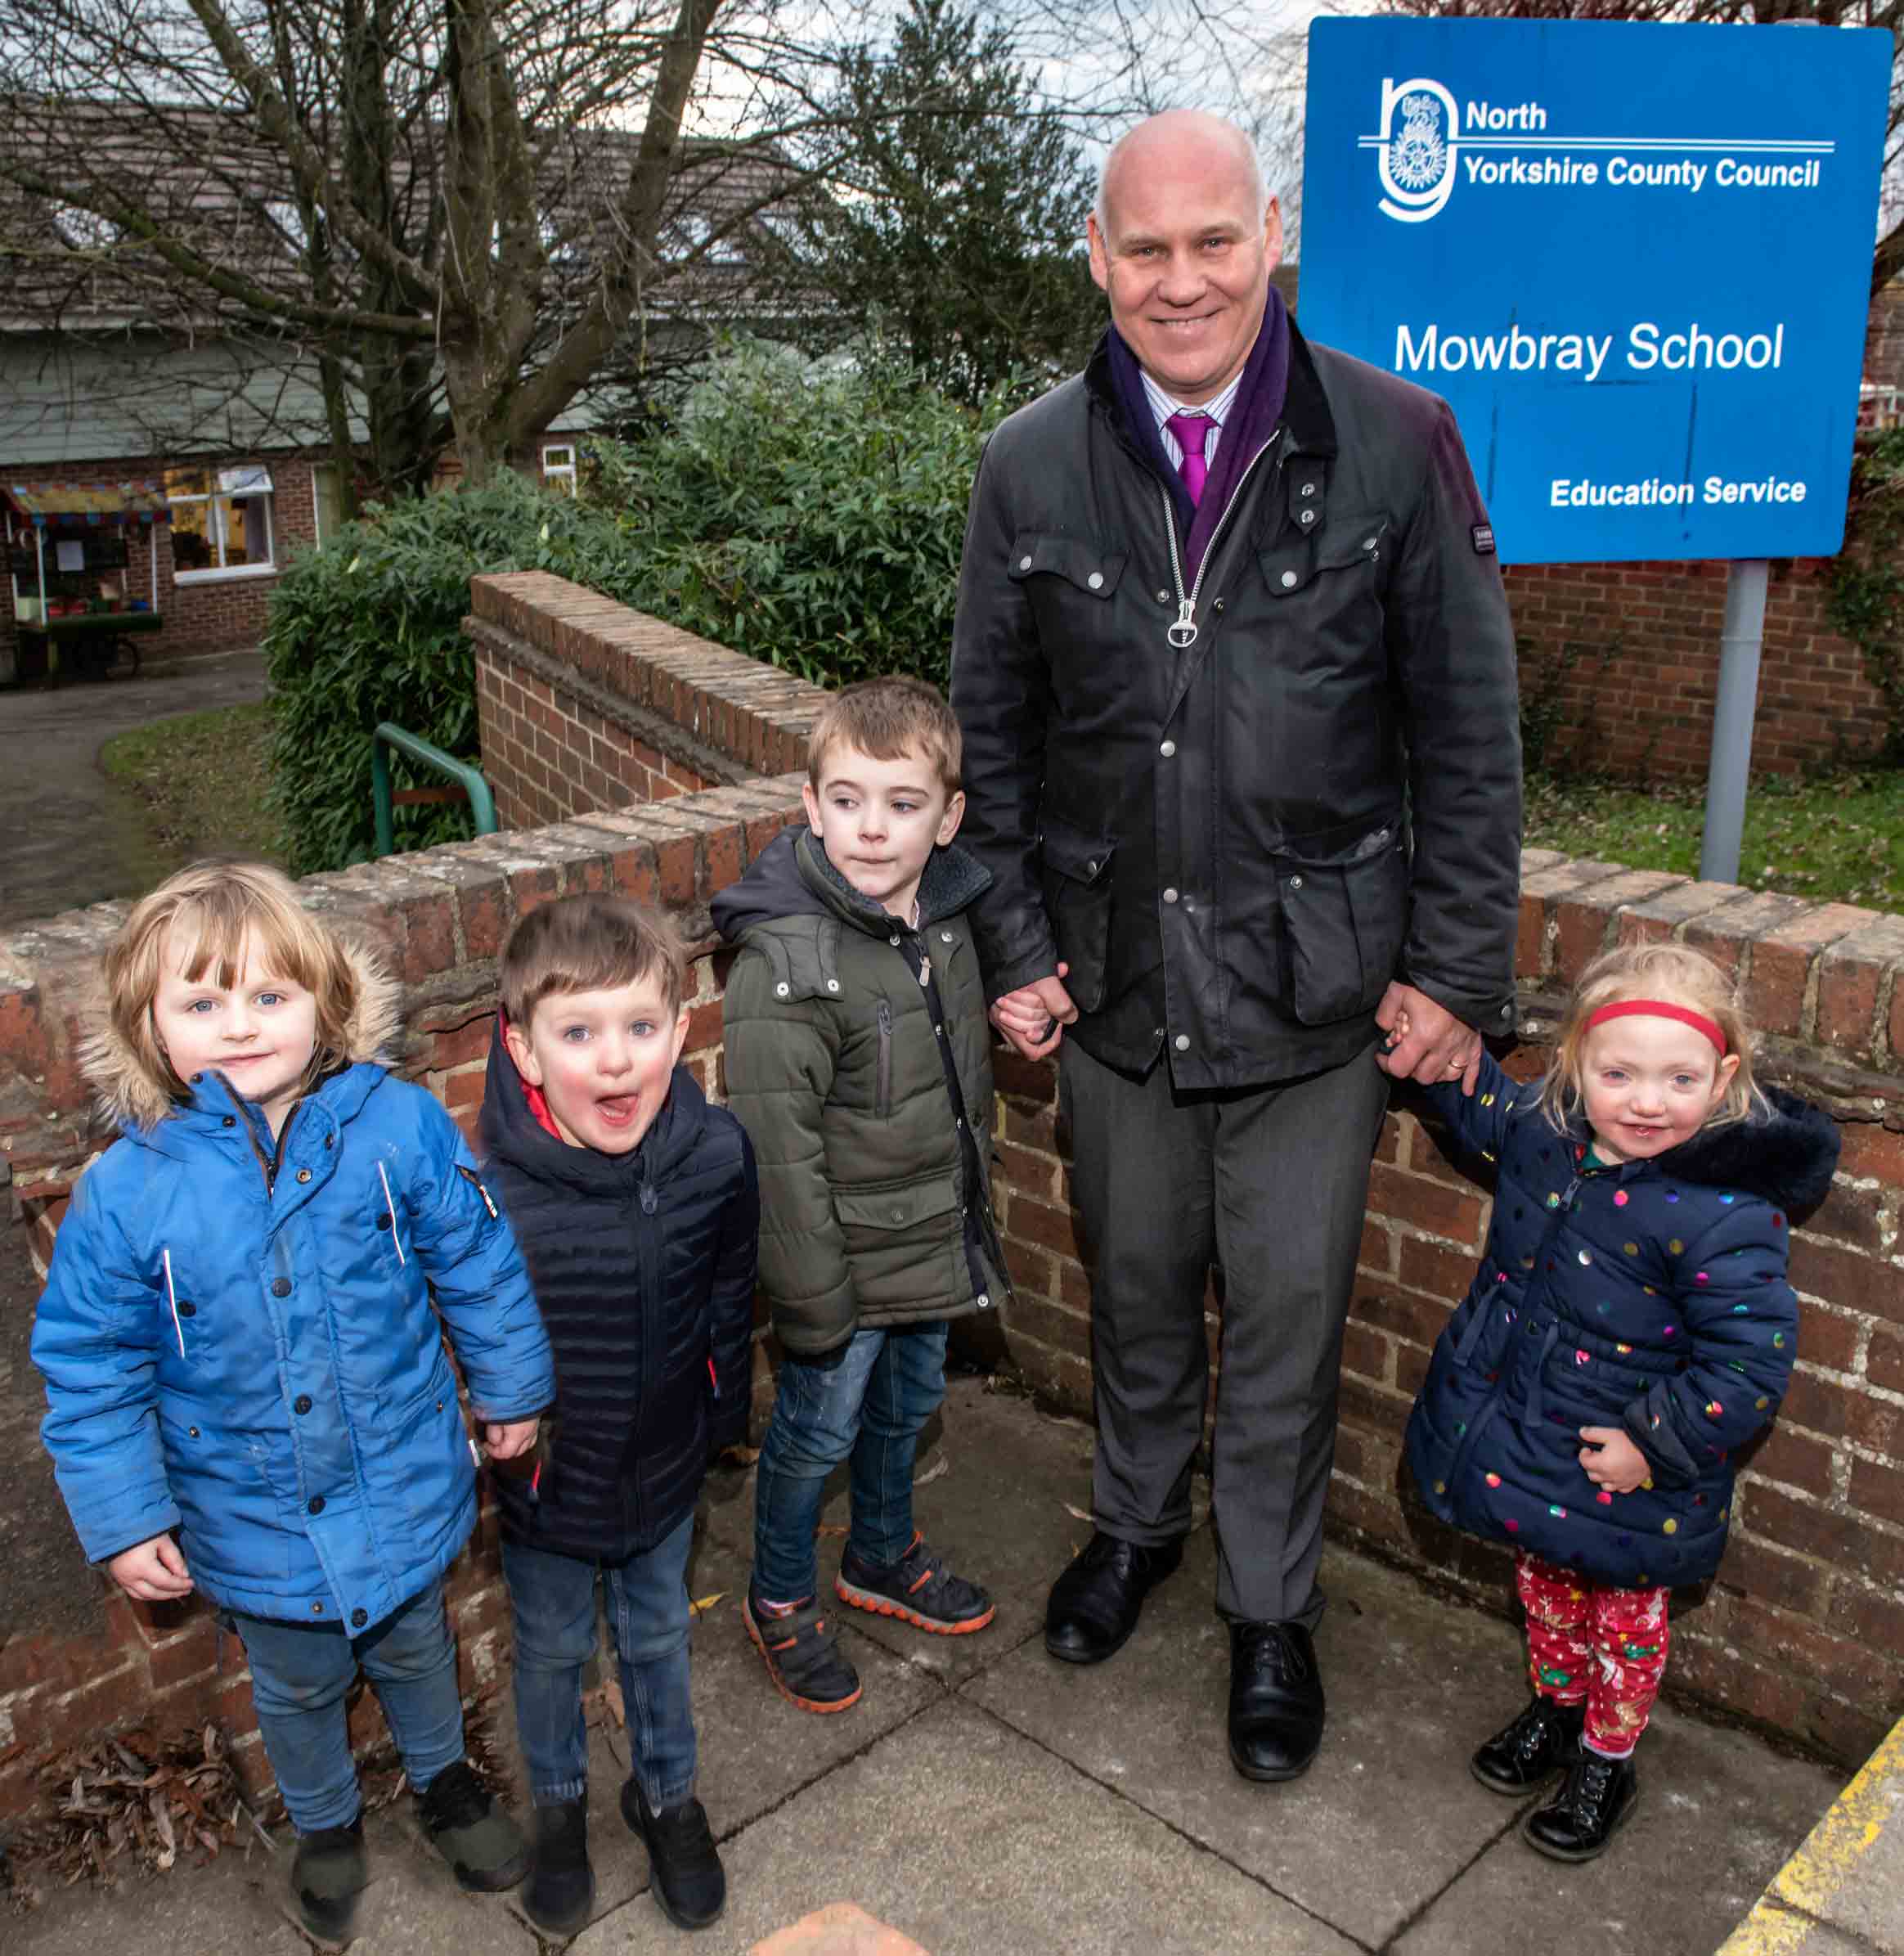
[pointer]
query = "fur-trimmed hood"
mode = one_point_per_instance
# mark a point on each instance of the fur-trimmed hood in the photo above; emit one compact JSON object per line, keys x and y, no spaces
{"x":131,"y":1095}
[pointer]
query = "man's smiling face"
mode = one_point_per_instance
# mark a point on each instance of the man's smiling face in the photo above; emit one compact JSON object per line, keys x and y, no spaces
{"x":1185,"y":253}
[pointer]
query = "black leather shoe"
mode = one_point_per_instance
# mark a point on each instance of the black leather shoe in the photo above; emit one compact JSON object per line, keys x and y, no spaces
{"x":1543,"y":1739}
{"x":1095,"y":1604}
{"x":1276,"y":1700}
{"x":559,"y":1894}
{"x":1598,"y":1797}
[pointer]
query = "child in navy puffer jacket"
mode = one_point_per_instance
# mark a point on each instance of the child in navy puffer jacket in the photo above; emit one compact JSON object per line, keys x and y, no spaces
{"x":1629,"y":1329}
{"x":247,"y":1389}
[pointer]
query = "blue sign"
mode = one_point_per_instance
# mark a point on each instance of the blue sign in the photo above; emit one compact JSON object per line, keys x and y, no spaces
{"x":1635,"y":258}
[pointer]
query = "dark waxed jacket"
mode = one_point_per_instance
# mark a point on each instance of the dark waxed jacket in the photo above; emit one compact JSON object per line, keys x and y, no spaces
{"x":1650,"y":1297}
{"x":875,"y":1203}
{"x":643,"y":1265}
{"x":1236,"y":846}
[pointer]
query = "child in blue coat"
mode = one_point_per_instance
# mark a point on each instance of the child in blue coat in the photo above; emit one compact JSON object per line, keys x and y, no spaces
{"x":1629,"y":1329}
{"x":247,"y":1389}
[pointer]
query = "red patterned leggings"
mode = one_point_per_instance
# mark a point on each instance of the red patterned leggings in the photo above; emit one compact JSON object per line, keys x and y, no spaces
{"x":1605,"y":1646}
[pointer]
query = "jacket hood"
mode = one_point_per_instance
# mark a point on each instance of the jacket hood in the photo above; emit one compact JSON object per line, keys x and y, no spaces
{"x":134,"y":1094}
{"x":510,"y":1133}
{"x":1786,"y":1153}
{"x":794,"y":877}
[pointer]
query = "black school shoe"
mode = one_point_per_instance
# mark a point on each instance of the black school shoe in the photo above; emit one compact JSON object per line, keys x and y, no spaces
{"x":328,"y":1875}
{"x":560,"y":1890}
{"x":483,"y":1846}
{"x":690,"y":1884}
{"x":1276,"y":1704}
{"x":1095,"y":1603}
{"x":1598,"y":1797}
{"x":918,"y":1588}
{"x":1542,"y":1739}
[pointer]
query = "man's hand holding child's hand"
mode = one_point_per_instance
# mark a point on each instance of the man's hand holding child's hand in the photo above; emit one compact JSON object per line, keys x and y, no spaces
{"x":506,"y":1439}
{"x":1612,"y":1461}
{"x":154,"y":1571}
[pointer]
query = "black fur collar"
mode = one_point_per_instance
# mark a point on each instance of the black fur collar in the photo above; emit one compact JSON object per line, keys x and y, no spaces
{"x":1786,"y":1155}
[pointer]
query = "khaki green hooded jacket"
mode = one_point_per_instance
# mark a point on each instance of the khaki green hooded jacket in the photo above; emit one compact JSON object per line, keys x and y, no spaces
{"x":873,"y":1211}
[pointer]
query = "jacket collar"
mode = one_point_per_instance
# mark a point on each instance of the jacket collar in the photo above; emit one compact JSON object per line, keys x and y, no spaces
{"x":211,"y":1100}
{"x":794,"y":877}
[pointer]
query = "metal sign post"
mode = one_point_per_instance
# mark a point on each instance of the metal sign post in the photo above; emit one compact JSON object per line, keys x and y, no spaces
{"x":1635,"y":258}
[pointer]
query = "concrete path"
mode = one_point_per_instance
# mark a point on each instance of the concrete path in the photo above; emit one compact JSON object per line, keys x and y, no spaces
{"x":69,"y":836}
{"x":983,"y":1800}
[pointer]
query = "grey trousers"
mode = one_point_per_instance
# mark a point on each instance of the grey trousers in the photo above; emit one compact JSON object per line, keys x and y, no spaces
{"x":1270,"y":1184}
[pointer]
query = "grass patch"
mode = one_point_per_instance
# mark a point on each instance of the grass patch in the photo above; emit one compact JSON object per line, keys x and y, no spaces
{"x":1835,"y":838}
{"x":205,"y":779}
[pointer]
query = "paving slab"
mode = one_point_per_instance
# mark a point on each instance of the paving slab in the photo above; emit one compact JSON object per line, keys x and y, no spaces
{"x":972,"y":1840}
{"x":1387,"y":1817}
{"x":756,"y":1750}
{"x":1718,"y":1813}
{"x":1002,"y":1490}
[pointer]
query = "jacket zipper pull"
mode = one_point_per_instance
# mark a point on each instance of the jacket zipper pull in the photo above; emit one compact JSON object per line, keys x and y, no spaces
{"x":1183,"y":633}
{"x":648,"y":1198}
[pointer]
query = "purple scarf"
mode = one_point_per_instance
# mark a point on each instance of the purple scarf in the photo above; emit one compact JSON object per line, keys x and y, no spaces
{"x":1252,"y":419}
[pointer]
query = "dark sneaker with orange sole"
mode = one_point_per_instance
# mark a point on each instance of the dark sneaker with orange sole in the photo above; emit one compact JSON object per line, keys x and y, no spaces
{"x":802,"y":1654}
{"x":918,"y":1588}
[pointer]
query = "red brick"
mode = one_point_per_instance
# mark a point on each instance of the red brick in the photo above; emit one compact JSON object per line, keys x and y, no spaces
{"x":1847,"y":1279}
{"x":704,"y":1027}
{"x":1377,"y":1253}
{"x":1822,"y":1656}
{"x":1787,"y":1455}
{"x":1040,"y":1222}
{"x":1391,"y":1144}
{"x":1429,"y":1266}
{"x":1666,"y":914}
{"x":1762,"y":1571}
{"x":724,"y":857}
{"x":1884,"y":1361}
{"x":1420,"y":1321}
{"x":1878,"y":1488}
{"x":1540,"y":894}
{"x":1035,"y":1128}
{"x":1876,"y":1616}
{"x":1074,"y":1285}
{"x":461,"y":1044}
{"x":1875,"y":1422}
{"x":1583,"y":923}
{"x":1781,"y":963}
{"x":1814,"y":1403}
{"x":1852,"y":1216}
{"x":1871,"y":1151}
{"x":189,"y":1656}
{"x":1428,"y":1205}
{"x":675,"y":860}
{"x":1365,"y":1352}
{"x":1851,"y":975}
{"x":1035,"y":1080}
{"x":464,"y":1090}
{"x":1034,"y":1317}
{"x":1031,"y":1269}
{"x":1035,"y":1174}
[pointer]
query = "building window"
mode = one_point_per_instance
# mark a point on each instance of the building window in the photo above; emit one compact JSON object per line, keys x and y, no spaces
{"x":220,"y":522}
{"x":326,"y":503}
{"x":558,"y":467}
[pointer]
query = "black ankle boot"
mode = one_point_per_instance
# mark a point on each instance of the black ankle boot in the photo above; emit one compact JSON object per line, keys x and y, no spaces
{"x":328,"y":1874}
{"x":1543,"y":1739}
{"x":561,"y":1890}
{"x":1598,"y":1797}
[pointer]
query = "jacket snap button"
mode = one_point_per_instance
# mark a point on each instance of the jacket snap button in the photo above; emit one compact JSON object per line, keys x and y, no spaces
{"x":193,"y":1431}
{"x":1308,"y":488}
{"x":1295,"y":882}
{"x":317,"y":1609}
{"x":985,"y":1300}
{"x":1168,"y":749}
{"x":1218,"y":608}
{"x":302,"y":1403}
{"x":944,"y":936}
{"x":1163,"y":597}
{"x":360,"y":1618}
{"x":231,"y":1120}
{"x":315,"y":1505}
{"x":780,"y":991}
{"x":1169,"y":896}
{"x":439,"y":1405}
{"x":187,"y":1310}
{"x":1289,"y":580}
{"x":383,"y":1220}
{"x":1309,"y":515}
{"x":1368,"y":543}
{"x":1182,"y":1042}
{"x":1096,"y":580}
{"x":1024,"y":563}
{"x":833,"y":984}
{"x":899,"y":1215}
{"x":1091,"y":867}
{"x":894,"y":938}
{"x":303,"y":1175}
{"x":280,"y":1287}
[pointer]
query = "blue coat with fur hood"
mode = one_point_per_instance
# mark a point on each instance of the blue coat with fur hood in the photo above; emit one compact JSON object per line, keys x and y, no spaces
{"x":1650,"y":1297}
{"x":239,"y":1341}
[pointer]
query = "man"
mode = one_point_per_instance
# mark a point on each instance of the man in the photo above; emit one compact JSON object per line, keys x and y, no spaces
{"x":1237,"y":682}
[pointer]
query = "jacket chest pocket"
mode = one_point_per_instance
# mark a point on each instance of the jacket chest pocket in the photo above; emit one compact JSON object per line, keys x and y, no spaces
{"x":1077,"y":901}
{"x":1071,"y":585}
{"x":1345,"y":914}
{"x":1324,"y":592}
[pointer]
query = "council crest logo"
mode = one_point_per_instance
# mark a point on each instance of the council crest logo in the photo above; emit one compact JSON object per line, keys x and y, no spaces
{"x":1414,"y":156}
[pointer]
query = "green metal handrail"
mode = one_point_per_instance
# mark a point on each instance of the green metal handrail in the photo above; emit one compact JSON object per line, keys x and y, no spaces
{"x":481,"y":801}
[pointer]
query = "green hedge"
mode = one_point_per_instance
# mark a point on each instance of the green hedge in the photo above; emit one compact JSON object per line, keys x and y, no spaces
{"x":813,"y":522}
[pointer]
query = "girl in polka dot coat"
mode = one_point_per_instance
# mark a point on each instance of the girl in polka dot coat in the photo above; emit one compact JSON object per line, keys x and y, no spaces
{"x":1629,"y":1328}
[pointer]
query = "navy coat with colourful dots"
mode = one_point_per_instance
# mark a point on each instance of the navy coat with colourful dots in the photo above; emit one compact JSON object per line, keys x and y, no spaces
{"x":1651,"y":1296}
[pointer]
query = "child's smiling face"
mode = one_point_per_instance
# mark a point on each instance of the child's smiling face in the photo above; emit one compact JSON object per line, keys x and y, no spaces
{"x":604,"y":1060}
{"x":259,"y":1031}
{"x":1648,"y":1084}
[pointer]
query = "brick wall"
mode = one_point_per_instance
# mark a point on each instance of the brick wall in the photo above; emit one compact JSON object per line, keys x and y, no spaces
{"x":1629,"y":653}
{"x":220,"y":615}
{"x":1802,"y":1632}
{"x":1883,"y":365}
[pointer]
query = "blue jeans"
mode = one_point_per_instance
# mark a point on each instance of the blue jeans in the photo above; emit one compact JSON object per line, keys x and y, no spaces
{"x":555,"y":1601}
{"x":300,"y":1673}
{"x":867,"y":1400}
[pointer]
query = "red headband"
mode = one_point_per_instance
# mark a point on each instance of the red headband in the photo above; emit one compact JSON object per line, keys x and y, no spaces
{"x":1656,"y":1008}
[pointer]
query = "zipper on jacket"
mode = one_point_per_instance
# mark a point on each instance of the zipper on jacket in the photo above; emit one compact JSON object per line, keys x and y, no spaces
{"x":653,"y":1346}
{"x":268,"y":1164}
{"x":883,"y":1084}
{"x":1182,"y":633}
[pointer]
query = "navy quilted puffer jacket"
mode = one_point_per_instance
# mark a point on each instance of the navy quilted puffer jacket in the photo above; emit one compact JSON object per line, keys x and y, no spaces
{"x":644,"y":1267}
{"x":1651,"y":1296}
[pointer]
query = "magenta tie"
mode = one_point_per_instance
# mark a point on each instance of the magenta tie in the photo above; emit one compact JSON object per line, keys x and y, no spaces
{"x":1192,"y":432}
